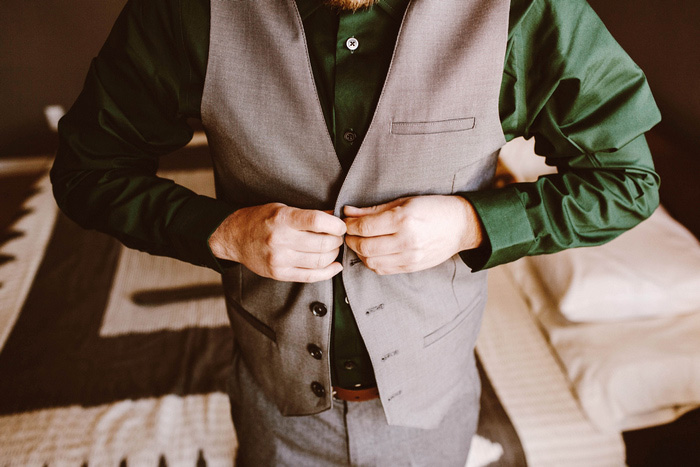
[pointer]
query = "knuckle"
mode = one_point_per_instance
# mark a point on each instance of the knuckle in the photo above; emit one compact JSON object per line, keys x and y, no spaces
{"x":269,"y":258}
{"x":280,"y":213}
{"x":274,"y":273}
{"x":274,"y":260}
{"x":328,"y":258}
{"x":270,"y":239}
{"x":405,"y":243}
{"x":413,"y":257}
{"x":275,"y":238}
{"x":316,"y":222}
{"x":410,"y":223}
{"x":372,"y":264}
{"x":414,"y":242}
{"x":324,"y":243}
{"x":362,"y":248}
{"x":362,"y":228}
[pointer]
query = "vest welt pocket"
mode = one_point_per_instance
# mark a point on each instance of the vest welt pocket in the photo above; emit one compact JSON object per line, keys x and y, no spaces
{"x":433,"y":127}
{"x":447,"y":328}
{"x":252,"y":320}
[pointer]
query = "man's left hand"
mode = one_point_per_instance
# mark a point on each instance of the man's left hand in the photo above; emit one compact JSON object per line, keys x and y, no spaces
{"x":412,"y":234}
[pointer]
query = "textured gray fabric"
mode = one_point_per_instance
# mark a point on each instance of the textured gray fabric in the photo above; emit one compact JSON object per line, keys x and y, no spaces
{"x":436,"y":130}
{"x":351,"y":433}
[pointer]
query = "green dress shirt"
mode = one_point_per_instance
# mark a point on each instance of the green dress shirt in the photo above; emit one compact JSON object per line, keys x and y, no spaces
{"x":565,"y":81}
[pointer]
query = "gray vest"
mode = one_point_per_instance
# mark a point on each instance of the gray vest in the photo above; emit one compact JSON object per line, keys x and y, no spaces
{"x":436,"y":130}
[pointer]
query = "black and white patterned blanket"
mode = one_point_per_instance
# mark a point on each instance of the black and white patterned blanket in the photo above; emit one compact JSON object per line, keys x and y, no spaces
{"x":115,"y":357}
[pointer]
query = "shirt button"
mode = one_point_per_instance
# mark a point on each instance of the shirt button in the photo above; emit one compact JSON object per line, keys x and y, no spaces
{"x":318,"y":309}
{"x":352,"y":44}
{"x":315,"y":351}
{"x":349,"y":136}
{"x":349,"y":365}
{"x":318,"y":389}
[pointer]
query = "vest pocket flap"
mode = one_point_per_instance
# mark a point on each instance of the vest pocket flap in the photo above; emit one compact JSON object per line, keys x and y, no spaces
{"x":437,"y":126}
{"x":252,"y":320}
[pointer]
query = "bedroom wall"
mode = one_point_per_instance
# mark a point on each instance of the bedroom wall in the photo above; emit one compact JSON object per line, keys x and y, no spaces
{"x":45,"y":51}
{"x":663,"y":37}
{"x":47,"y":45}
{"x":46,"y":48}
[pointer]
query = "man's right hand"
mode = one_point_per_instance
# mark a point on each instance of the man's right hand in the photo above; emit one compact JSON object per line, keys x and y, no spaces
{"x":281,"y":242}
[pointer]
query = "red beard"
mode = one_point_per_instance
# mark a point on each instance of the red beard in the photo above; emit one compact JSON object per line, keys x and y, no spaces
{"x":352,"y":5}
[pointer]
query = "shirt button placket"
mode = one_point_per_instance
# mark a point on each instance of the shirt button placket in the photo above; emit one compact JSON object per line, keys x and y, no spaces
{"x":352,"y":44}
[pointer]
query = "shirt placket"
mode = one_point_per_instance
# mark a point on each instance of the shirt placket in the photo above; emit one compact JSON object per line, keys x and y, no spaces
{"x":355,"y":53}
{"x":351,"y":114}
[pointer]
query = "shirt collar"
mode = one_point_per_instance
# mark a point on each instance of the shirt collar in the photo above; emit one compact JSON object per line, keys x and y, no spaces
{"x":395,"y":8}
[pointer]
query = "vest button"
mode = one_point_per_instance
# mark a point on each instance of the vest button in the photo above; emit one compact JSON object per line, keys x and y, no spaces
{"x":315,"y":351}
{"x":318,"y":309}
{"x":318,"y":389}
{"x":349,"y":136}
{"x":349,"y":365}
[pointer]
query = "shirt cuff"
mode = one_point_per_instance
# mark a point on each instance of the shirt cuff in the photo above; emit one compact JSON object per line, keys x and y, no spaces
{"x":507,"y":228}
{"x":191,"y":228}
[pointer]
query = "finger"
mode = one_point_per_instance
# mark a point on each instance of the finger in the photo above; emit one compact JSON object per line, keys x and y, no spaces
{"x":297,"y":259}
{"x":389,"y":264}
{"x":315,"y":221}
{"x":352,"y":211}
{"x":398,"y":263}
{"x":314,"y":275}
{"x":310,"y":242}
{"x":374,"y":246}
{"x":384,"y":223}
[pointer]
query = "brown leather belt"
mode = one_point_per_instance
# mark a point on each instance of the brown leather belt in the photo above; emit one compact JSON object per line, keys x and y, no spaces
{"x":355,"y":395}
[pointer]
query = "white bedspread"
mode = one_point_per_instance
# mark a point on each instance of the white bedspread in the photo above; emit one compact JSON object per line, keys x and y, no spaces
{"x":627,"y":375}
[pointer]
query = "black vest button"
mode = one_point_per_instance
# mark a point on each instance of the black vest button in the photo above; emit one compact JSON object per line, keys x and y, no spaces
{"x":318,"y":309}
{"x":350,"y":136}
{"x":315,"y":351}
{"x":318,"y":389}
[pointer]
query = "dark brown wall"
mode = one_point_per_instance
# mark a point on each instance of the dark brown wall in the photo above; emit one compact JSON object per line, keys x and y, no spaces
{"x":46,"y":46}
{"x":662,"y":37}
{"x":45,"y":51}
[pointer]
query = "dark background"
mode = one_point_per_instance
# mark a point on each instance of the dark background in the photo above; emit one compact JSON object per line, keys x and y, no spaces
{"x":45,"y":52}
{"x":46,"y":47}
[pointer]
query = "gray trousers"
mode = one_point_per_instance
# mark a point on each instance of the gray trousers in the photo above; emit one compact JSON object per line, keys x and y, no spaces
{"x":351,"y":433}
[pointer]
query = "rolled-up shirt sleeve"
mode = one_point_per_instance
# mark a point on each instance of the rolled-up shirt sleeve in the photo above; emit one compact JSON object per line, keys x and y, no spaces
{"x":571,"y":86}
{"x":133,"y":109}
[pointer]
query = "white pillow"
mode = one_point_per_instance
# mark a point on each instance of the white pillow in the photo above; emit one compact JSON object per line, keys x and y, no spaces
{"x":652,"y":270}
{"x":519,"y":157}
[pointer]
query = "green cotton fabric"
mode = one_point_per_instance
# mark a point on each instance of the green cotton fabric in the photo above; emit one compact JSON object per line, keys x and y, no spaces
{"x":565,"y":82}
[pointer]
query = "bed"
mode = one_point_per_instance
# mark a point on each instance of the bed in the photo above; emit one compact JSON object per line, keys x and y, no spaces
{"x":594,"y":352}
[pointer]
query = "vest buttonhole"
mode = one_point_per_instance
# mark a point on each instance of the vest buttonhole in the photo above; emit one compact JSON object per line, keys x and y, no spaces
{"x":389,"y":355}
{"x":374,"y":308}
